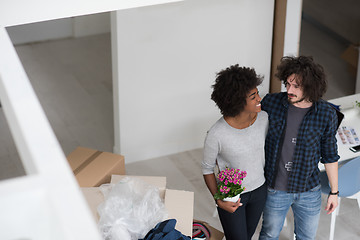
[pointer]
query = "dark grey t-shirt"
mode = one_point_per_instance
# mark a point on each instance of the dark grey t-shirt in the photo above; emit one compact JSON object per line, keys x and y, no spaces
{"x":294,"y":118}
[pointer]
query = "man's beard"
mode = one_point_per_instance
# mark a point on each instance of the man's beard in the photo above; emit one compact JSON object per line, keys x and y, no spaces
{"x":293,"y":102}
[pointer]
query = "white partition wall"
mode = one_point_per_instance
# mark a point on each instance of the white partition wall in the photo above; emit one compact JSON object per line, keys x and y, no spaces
{"x":165,"y":61}
{"x":46,"y":203}
{"x":73,"y":27}
{"x":292,"y":27}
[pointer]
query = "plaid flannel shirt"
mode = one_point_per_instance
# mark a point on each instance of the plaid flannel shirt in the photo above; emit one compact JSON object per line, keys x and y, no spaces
{"x":315,"y":142}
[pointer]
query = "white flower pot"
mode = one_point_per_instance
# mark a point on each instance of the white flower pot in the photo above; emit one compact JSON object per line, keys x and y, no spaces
{"x":232,"y":199}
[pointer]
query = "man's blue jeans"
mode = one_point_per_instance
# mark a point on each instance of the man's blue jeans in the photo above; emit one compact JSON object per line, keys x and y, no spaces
{"x":306,"y":208}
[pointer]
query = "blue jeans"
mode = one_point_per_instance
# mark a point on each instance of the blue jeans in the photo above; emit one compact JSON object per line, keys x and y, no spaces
{"x":306,"y":208}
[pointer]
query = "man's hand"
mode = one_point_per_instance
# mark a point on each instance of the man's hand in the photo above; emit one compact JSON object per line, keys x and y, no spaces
{"x":229,"y":206}
{"x":332,"y":203}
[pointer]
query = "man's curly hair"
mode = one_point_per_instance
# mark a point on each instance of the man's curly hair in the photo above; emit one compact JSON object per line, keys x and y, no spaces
{"x":310,"y":75}
{"x":231,"y":88}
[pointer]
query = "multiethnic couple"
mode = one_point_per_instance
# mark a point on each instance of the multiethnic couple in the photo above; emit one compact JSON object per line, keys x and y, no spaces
{"x":279,"y":141}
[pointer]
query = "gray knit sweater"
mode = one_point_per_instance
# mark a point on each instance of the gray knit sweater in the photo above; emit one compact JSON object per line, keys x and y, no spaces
{"x":237,"y":148}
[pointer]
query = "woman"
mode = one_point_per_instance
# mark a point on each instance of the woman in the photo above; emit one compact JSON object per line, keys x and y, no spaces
{"x":237,"y":141}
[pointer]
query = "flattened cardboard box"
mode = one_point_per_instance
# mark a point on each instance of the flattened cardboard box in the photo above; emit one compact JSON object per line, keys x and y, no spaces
{"x":93,"y":168}
{"x":179,"y":204}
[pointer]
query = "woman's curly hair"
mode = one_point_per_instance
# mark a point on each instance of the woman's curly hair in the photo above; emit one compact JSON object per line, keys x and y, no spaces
{"x":310,"y":75}
{"x":231,"y":88}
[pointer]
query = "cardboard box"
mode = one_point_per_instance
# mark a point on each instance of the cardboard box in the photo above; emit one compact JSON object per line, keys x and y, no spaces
{"x":179,"y":204}
{"x":93,"y":168}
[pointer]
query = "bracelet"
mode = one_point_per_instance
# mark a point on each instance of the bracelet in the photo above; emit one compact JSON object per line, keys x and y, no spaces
{"x":335,"y":193}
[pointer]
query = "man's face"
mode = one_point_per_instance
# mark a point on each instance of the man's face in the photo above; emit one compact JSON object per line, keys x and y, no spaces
{"x":294,"y":90}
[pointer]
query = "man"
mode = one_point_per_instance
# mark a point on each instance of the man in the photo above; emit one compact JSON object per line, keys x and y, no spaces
{"x":301,"y":133}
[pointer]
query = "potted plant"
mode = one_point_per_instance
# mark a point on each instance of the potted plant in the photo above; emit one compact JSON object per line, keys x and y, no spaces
{"x":230,"y":184}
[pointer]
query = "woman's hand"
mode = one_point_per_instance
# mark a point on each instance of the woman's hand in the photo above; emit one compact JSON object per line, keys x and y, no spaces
{"x":229,"y":206}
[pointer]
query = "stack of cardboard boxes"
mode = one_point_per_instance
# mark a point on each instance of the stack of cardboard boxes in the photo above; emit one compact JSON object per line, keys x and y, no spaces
{"x":93,"y":168}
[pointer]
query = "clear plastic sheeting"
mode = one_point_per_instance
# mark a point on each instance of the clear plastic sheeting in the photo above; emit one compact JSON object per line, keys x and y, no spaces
{"x":130,"y":210}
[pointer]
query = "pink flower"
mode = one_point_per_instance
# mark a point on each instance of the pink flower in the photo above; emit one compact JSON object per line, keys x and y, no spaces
{"x":224,"y":189}
{"x":230,"y":181}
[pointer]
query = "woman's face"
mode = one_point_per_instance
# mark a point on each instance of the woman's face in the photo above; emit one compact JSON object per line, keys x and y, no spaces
{"x":253,"y":101}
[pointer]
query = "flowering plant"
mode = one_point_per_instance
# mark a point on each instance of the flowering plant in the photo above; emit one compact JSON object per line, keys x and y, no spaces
{"x":230,"y":181}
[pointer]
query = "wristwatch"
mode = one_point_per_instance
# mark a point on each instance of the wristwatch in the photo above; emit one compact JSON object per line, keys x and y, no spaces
{"x":334,"y":193}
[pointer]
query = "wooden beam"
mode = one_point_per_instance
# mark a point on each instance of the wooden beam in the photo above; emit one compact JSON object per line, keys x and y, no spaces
{"x":278,"y":42}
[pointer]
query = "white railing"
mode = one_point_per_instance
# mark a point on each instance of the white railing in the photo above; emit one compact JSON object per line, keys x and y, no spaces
{"x":46,"y":203}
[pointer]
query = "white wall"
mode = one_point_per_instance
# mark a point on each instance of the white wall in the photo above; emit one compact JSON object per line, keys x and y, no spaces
{"x":292,"y":27}
{"x":61,"y":28}
{"x":48,"y":195}
{"x":166,"y":61}
{"x":47,"y":202}
{"x":292,"y":30}
{"x":42,"y":31}
{"x":91,"y":24}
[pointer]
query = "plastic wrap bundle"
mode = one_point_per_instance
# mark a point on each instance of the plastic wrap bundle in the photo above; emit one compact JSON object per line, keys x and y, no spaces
{"x":130,"y":210}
